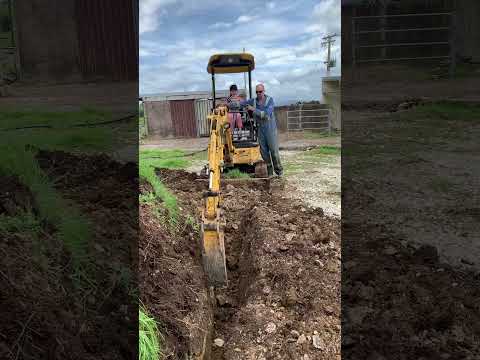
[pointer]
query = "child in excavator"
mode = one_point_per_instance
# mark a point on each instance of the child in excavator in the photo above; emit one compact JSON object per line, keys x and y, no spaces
{"x":235,"y":119}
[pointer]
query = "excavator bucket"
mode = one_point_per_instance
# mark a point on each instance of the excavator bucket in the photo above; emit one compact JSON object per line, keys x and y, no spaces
{"x":213,"y":252}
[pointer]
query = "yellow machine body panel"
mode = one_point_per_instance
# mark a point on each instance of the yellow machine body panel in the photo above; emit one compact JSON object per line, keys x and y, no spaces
{"x":247,"y":156}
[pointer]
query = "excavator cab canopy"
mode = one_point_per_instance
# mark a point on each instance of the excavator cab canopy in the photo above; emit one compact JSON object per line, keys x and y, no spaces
{"x":231,"y":63}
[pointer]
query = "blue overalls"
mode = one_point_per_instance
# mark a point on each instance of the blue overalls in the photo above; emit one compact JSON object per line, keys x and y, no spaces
{"x":267,"y":133}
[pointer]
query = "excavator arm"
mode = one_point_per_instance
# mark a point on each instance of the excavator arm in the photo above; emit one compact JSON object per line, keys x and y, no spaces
{"x":213,"y":220}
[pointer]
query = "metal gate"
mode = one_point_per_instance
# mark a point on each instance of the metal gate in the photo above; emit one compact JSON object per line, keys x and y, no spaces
{"x":202,"y":109}
{"x":309,"y":119}
{"x":397,"y":32}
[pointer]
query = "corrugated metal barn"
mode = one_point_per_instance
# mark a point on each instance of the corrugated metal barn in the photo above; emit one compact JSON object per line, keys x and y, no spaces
{"x":70,"y":40}
{"x":180,"y":114}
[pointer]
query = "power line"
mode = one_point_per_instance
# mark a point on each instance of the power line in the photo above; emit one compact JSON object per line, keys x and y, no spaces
{"x":327,"y":42}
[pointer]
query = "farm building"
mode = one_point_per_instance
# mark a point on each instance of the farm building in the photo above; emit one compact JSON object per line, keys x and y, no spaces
{"x":331,"y":91}
{"x":184,"y":115}
{"x":180,"y":114}
{"x":72,"y":40}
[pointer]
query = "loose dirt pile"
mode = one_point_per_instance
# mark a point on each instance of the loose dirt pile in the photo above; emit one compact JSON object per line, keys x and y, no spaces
{"x":43,"y":315}
{"x":402,"y":303}
{"x":283,"y":259}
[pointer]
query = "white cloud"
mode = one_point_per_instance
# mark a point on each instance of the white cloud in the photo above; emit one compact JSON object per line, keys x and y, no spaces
{"x":245,"y":19}
{"x":150,"y":12}
{"x":144,"y":52}
{"x":271,"y":5}
{"x":220,"y":25}
{"x":326,"y":17}
{"x":150,"y":48}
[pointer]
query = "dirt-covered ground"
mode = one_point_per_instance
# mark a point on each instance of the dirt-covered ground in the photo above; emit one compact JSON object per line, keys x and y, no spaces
{"x":44,"y":315}
{"x":312,"y":175}
{"x":283,"y":258}
{"x":410,"y":230}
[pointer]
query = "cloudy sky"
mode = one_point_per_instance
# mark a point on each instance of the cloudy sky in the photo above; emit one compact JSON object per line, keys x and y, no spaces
{"x":177,"y":37}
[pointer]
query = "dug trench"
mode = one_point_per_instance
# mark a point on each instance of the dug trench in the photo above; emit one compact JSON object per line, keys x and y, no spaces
{"x":282,"y":300}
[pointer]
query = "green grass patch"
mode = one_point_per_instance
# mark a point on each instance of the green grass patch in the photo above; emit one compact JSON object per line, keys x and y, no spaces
{"x":169,"y":159}
{"x":24,"y":224}
{"x":160,"y":191}
{"x":302,"y":162}
{"x":150,"y":159}
{"x":292,"y":168}
{"x":189,"y":220}
{"x":449,"y":111}
{"x":236,"y":174}
{"x":200,"y":156}
{"x":149,"y":338}
{"x":62,"y":135}
{"x":433,"y":123}
{"x":72,"y":228}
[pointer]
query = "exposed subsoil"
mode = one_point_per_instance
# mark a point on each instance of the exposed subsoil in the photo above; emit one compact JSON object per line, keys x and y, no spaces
{"x":43,"y":315}
{"x":283,"y":258}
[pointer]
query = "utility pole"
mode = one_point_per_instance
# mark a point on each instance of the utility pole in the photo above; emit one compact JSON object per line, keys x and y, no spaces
{"x":327,"y":42}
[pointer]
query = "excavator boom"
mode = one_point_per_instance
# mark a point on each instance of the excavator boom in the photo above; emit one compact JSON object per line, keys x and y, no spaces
{"x":213,"y":221}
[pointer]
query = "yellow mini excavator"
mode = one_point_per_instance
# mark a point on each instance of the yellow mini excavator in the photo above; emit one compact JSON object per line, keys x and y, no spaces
{"x":225,"y":151}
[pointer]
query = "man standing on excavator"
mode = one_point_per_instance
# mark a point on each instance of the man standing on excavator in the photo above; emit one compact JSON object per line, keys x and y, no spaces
{"x":262,"y":107}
